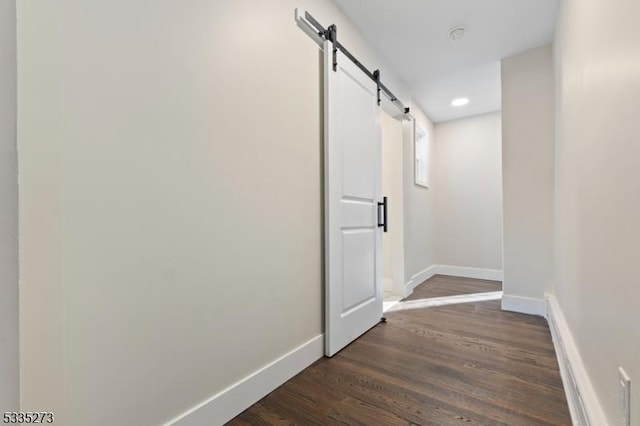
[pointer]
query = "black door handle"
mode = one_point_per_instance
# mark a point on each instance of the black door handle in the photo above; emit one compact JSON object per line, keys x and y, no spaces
{"x":385,"y":207}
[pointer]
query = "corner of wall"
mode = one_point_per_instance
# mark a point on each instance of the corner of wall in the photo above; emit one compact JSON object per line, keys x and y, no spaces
{"x":528,"y":138}
{"x":523,"y":305}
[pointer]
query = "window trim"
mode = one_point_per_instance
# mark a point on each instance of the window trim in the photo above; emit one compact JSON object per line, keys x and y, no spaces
{"x":421,"y":156}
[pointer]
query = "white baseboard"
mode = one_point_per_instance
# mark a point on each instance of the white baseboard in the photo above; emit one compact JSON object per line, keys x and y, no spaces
{"x":463,"y":271}
{"x":232,"y":401}
{"x":523,"y":305}
{"x":584,"y":406}
{"x":419,"y":278}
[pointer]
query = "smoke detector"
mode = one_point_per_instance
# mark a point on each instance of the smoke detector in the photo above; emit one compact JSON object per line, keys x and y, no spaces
{"x":456,"y":33}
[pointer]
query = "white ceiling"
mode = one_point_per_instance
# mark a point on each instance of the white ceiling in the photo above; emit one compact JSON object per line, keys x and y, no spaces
{"x":412,"y":36}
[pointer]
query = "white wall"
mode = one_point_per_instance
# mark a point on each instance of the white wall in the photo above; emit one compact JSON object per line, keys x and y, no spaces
{"x":468,"y":188}
{"x":392,"y":188}
{"x":9,"y":383}
{"x":597,"y":212}
{"x":528,"y":177}
{"x":419,"y":213}
{"x":170,"y":199}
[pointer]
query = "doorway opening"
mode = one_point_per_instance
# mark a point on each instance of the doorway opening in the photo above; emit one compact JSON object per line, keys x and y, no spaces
{"x":392,"y":188}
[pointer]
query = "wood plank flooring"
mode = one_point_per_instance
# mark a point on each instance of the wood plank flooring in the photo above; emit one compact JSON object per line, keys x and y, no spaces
{"x":466,"y":364}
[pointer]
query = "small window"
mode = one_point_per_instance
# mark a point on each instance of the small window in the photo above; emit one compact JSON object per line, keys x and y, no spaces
{"x":422,"y":156}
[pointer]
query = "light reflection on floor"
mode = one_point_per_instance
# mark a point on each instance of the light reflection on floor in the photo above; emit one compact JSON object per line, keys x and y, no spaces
{"x":441,"y":301}
{"x":390,"y":299}
{"x":388,"y":304}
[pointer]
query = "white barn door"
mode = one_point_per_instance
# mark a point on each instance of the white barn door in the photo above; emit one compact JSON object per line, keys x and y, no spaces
{"x":353,"y":287}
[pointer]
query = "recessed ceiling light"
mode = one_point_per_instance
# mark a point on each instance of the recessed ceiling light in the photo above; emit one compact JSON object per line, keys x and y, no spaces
{"x":460,"y":102}
{"x":456,"y":33}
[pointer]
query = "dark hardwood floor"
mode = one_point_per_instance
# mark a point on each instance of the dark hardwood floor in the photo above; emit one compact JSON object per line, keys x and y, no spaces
{"x":450,"y":365}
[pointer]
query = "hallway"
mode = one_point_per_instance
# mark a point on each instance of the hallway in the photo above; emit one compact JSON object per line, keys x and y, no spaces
{"x":467,"y":363}
{"x":194,"y":207}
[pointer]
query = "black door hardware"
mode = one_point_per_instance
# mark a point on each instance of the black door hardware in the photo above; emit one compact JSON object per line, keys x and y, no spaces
{"x":384,"y":206}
